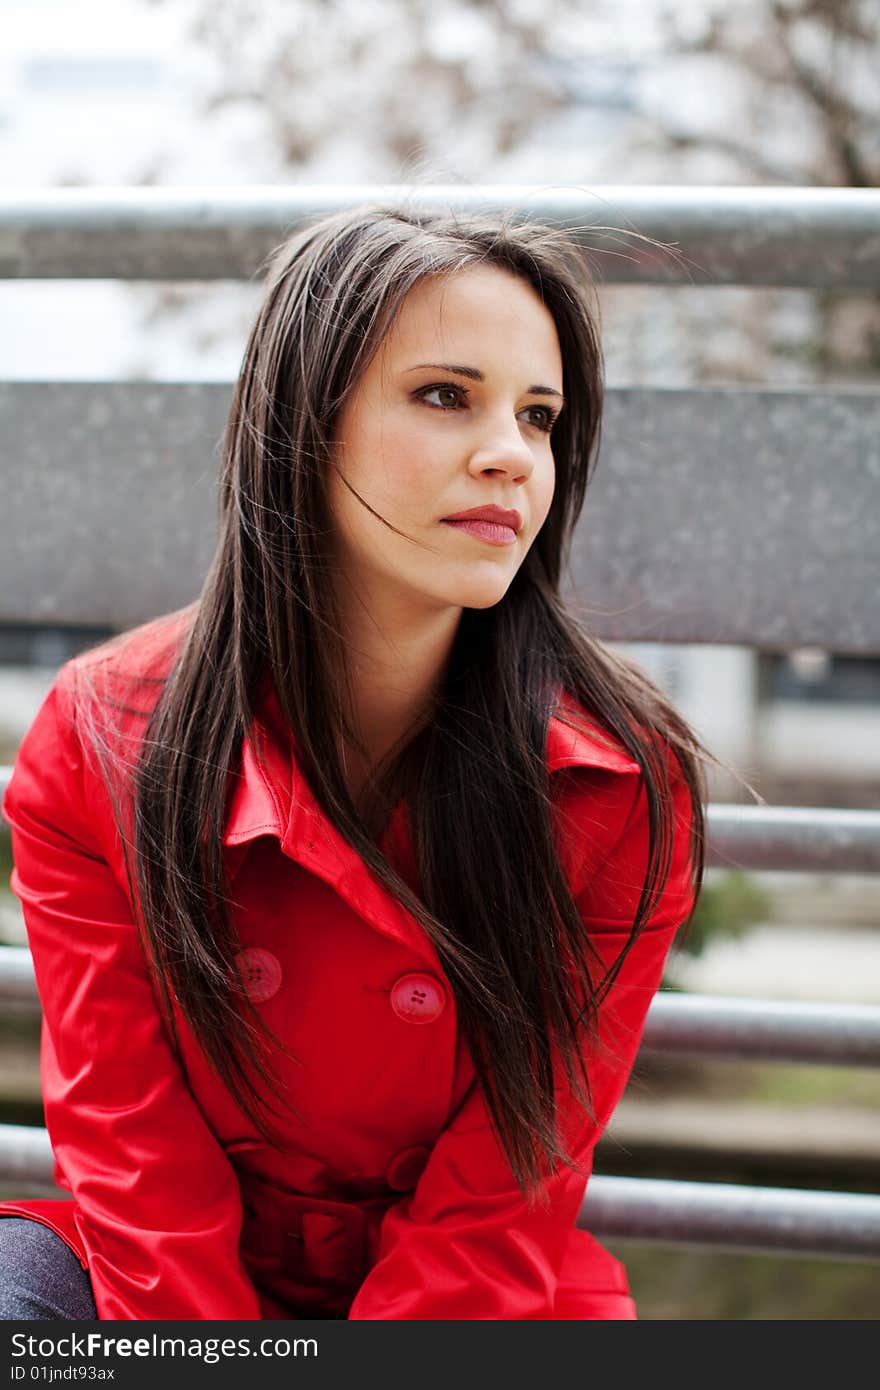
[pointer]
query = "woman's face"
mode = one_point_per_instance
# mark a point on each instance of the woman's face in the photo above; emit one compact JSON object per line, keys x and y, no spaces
{"x":452,"y":414}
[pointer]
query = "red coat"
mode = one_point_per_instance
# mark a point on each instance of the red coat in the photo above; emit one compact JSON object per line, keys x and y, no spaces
{"x":393,"y":1200}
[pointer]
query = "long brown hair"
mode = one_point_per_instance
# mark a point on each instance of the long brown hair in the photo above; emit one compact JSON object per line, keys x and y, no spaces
{"x":519,"y":964}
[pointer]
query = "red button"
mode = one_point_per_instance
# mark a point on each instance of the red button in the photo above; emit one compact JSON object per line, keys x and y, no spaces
{"x":260,"y":972}
{"x":405,"y":1169}
{"x":418,"y":998}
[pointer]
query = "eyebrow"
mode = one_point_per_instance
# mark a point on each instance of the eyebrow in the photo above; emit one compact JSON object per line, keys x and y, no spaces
{"x":474,"y":374}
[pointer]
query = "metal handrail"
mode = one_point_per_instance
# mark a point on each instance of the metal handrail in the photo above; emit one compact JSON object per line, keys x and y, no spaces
{"x":815,"y":238}
{"x":728,"y":1216}
{"x":717,"y":1215}
{"x":787,"y":838}
{"x":812,"y":237}
{"x":18,"y":985}
{"x":798,"y":838}
{"x":771,"y":1030}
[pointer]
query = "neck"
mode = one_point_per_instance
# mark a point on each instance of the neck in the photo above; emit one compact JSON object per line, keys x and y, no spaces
{"x":397,"y":658}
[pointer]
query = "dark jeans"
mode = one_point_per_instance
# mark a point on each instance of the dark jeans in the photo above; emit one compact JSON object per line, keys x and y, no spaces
{"x":40,"y":1277}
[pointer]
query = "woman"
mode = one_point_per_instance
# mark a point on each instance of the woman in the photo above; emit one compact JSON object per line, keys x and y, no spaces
{"x":348,"y":887}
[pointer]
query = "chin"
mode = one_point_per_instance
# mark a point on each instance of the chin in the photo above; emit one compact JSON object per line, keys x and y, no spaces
{"x":480,"y":595}
{"x":470,"y":590}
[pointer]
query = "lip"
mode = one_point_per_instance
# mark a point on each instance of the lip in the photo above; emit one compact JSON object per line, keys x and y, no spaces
{"x":498,"y":515}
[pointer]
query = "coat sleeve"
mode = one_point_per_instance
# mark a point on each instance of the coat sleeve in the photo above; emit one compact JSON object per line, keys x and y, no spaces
{"x":158,"y":1205}
{"x":465,"y":1245}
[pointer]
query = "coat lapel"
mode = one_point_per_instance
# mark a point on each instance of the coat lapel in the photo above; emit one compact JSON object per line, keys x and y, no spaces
{"x":586,"y":746}
{"x":275,"y":799}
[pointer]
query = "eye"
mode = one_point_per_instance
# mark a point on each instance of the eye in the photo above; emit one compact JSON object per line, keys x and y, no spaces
{"x":548,"y":416}
{"x":446,"y":388}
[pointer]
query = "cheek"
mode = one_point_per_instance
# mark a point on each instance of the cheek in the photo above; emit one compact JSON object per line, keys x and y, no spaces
{"x":409,"y":477}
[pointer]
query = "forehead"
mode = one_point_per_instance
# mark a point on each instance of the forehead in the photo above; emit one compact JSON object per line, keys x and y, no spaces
{"x":481,"y":309}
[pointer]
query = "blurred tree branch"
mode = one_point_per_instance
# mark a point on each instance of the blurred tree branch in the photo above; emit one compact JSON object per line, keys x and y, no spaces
{"x":778,"y":92}
{"x":394,"y":72}
{"x":837,"y":86}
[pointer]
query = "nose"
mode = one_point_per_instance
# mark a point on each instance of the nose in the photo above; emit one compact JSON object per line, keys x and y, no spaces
{"x":503,"y":451}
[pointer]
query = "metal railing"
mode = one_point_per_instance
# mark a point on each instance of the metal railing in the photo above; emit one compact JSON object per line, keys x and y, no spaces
{"x":808,"y":237}
{"x":787,"y":838}
{"x":701,"y":1025}
{"x":816,"y":238}
{"x":765,"y":1220}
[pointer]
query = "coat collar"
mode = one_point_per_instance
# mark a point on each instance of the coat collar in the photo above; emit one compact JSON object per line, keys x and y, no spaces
{"x":586,"y":746}
{"x":270,"y":796}
{"x":277,"y":799}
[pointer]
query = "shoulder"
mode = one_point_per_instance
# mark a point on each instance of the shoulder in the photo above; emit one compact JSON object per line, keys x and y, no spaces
{"x":98,"y":704}
{"x":599,"y":792}
{"x":131,"y":667}
{"x":102,"y":698}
